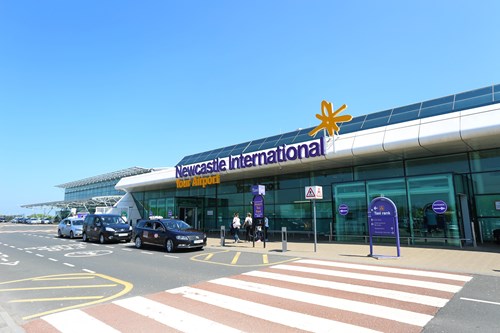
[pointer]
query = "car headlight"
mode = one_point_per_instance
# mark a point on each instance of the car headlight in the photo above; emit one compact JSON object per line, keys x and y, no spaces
{"x":182,"y":238}
{"x":110,"y":229}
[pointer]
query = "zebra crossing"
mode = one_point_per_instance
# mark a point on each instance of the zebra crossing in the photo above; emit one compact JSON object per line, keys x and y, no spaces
{"x":307,"y":295}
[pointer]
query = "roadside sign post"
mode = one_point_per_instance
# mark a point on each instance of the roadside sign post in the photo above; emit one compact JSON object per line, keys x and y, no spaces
{"x":313,"y":193}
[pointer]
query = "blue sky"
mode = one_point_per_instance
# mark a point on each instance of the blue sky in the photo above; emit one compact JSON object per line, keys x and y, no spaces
{"x":89,"y":87}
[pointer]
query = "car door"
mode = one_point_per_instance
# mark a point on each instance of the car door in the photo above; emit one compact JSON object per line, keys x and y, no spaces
{"x":95,"y":229}
{"x":158,"y":233}
{"x":147,"y":233}
{"x":66,"y":228}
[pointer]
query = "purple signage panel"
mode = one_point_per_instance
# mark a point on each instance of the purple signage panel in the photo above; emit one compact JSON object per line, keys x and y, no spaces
{"x":383,"y":220}
{"x":343,"y":209}
{"x":439,"y":207}
{"x":382,"y":217}
{"x":258,"y":207}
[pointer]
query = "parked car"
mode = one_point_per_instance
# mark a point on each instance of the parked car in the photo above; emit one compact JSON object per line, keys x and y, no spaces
{"x":170,"y":234}
{"x":70,"y":227}
{"x":106,"y":228}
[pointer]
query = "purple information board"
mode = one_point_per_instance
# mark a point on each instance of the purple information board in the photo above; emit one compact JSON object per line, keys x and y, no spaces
{"x":383,"y":220}
{"x":258,"y":207}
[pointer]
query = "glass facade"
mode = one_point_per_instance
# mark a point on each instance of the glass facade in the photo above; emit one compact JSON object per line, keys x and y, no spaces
{"x":469,"y":183}
{"x":88,"y":191}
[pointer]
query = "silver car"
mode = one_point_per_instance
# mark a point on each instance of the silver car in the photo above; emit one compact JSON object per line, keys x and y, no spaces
{"x":70,"y":227}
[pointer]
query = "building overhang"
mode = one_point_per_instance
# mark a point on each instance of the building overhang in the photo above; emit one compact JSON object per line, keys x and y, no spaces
{"x":455,"y":132}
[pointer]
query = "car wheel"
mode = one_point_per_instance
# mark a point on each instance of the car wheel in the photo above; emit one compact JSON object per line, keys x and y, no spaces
{"x":71,"y":235}
{"x":101,"y":239}
{"x":138,"y":242}
{"x":84,"y":237}
{"x":169,"y":246}
{"x":59,"y":233}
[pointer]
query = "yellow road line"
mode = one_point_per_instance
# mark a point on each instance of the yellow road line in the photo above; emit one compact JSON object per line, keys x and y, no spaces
{"x":54,"y":299}
{"x":60,"y":287}
{"x":265,"y":259}
{"x":236,"y":257}
{"x":126,"y":288}
{"x":209,"y":256}
{"x":65,"y":278}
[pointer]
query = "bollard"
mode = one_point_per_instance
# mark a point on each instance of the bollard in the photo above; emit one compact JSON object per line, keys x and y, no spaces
{"x":222,"y":235}
{"x":283,"y":239}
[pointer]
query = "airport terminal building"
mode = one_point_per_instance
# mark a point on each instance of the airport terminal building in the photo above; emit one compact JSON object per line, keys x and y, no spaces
{"x":446,"y":149}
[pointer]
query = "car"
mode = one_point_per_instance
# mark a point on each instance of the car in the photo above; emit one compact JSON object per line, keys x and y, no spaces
{"x":106,"y":228}
{"x":171,"y":234}
{"x":70,"y":227}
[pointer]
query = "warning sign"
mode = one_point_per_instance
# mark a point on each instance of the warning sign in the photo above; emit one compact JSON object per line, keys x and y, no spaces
{"x":314,"y":192}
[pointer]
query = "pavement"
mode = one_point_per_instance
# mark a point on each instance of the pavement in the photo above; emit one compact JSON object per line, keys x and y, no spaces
{"x":482,"y":260}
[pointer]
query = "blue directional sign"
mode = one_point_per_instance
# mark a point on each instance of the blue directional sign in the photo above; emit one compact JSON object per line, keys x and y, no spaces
{"x":439,"y":207}
{"x":343,"y":209}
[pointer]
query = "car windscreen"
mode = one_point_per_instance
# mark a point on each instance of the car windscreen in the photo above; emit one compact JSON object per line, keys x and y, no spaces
{"x":177,"y":225}
{"x":78,"y":222}
{"x":112,"y":220}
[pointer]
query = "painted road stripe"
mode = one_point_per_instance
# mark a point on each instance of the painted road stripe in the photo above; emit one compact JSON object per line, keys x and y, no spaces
{"x":479,"y":301}
{"x":172,"y":317}
{"x":374,"y":278}
{"x":372,"y":291}
{"x":235,"y":258}
{"x":76,"y":321}
{"x":439,"y":275}
{"x":276,"y":315}
{"x":380,"y":311}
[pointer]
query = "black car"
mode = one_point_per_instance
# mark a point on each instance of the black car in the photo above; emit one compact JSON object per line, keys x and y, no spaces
{"x":169,"y":233}
{"x":106,"y":228}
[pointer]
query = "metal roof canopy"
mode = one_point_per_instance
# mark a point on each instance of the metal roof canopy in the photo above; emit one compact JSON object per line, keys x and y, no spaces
{"x":107,"y":176}
{"x":107,"y":201}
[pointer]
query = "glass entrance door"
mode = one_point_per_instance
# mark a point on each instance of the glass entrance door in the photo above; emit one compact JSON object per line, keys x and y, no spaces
{"x":425,"y":223}
{"x":189,"y":215}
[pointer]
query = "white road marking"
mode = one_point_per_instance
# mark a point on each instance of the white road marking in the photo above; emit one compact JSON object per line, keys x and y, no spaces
{"x":172,"y":317}
{"x":376,"y":278}
{"x":277,"y":315}
{"x":77,"y":321}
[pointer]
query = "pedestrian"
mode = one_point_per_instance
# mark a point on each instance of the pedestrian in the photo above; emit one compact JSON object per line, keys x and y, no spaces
{"x":248,"y":227}
{"x":266,"y":227}
{"x":236,"y":227}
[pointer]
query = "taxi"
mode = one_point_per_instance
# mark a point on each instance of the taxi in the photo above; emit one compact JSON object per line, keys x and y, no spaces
{"x":171,"y":234}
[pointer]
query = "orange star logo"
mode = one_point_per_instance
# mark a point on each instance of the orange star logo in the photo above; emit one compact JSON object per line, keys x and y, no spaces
{"x":329,"y":121}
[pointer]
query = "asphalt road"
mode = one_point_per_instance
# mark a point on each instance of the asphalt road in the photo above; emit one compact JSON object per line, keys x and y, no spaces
{"x":38,"y":267}
{"x":41,"y":274}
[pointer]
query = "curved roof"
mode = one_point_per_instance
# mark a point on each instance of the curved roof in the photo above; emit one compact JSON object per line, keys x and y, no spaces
{"x":107,"y":176}
{"x":438,"y":106}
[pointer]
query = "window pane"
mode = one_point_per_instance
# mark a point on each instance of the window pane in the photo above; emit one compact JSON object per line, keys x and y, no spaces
{"x":441,"y":164}
{"x":375,"y":171}
{"x":488,"y":160}
{"x":486,"y":183}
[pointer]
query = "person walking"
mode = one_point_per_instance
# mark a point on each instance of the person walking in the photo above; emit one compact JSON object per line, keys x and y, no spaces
{"x":236,"y":227}
{"x":248,"y":227}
